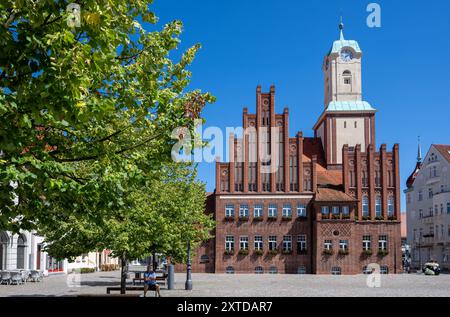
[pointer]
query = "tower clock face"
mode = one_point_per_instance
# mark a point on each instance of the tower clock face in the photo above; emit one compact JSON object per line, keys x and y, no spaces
{"x":346,"y":55}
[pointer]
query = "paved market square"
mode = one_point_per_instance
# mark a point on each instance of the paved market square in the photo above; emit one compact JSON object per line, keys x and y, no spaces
{"x":221,"y":285}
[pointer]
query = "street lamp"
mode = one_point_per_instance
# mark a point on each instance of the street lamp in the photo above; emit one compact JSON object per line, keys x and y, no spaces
{"x":188,"y":284}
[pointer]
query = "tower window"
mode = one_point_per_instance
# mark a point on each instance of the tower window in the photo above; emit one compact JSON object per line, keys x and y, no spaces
{"x":348,"y":81}
{"x":356,"y":124}
{"x":345,"y":124}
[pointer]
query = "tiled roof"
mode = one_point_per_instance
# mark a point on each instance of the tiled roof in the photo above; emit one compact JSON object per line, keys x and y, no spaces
{"x":349,"y":106}
{"x":444,"y":150}
{"x":332,"y":195}
{"x":329,"y":177}
{"x":412,"y":177}
{"x":313,"y":146}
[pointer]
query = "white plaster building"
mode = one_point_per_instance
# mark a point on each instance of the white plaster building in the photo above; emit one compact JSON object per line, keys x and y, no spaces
{"x":428,"y":208}
{"x":24,"y":251}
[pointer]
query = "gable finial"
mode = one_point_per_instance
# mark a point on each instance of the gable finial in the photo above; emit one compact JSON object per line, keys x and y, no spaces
{"x":419,"y":151}
{"x":341,"y":28}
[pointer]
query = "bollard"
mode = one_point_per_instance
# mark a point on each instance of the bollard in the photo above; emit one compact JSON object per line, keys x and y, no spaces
{"x":170,"y":277}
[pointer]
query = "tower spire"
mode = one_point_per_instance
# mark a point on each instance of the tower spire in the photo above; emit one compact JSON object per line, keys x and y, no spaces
{"x":419,"y":151}
{"x":341,"y":28}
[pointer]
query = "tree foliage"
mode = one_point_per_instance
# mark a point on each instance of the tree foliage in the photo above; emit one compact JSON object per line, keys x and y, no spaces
{"x":86,"y":119}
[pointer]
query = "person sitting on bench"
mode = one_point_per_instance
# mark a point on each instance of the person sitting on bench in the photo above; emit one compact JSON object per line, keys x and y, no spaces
{"x":150,"y":282}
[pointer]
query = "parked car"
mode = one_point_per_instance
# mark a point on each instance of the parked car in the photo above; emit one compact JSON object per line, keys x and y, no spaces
{"x":431,"y":268}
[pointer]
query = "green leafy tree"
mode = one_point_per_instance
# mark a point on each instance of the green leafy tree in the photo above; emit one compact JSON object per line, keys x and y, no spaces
{"x":87,"y":113}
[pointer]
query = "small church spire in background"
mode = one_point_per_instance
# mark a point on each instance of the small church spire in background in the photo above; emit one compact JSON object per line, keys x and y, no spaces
{"x":341,"y":28}
{"x":419,"y":151}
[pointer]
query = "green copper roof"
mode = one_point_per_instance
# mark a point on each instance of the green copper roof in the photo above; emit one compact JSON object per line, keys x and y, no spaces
{"x":349,"y":106}
{"x":340,"y":44}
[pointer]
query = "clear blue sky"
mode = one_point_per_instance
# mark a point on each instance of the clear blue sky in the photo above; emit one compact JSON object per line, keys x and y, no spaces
{"x":406,"y":64}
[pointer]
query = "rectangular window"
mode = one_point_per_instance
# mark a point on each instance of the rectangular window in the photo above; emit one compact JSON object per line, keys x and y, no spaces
{"x":335,"y":210}
{"x":448,"y":208}
{"x":272,"y":243}
{"x":343,"y":245}
{"x":382,"y":243}
{"x":259,"y":243}
{"x":287,"y":211}
{"x":229,"y":243}
{"x":325,"y":210}
{"x":273,"y":211}
{"x":243,"y":211}
{"x":367,"y":243}
{"x":301,"y":211}
{"x":301,"y":243}
{"x":420,"y":195}
{"x":258,"y":211}
{"x":229,"y":211}
{"x":243,"y":243}
{"x":430,"y":193}
{"x":287,"y":243}
{"x":328,"y":245}
{"x":345,"y":210}
{"x":347,"y":81}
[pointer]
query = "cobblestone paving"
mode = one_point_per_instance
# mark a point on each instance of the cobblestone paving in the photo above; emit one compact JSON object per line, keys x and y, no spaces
{"x":245,"y":285}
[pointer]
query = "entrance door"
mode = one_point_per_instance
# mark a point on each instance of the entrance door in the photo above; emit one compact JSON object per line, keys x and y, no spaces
{"x":38,"y":257}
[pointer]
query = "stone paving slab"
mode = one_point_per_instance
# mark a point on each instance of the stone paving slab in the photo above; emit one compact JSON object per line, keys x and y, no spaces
{"x":221,"y":285}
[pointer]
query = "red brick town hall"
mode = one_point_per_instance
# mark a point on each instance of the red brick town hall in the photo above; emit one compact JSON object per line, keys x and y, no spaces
{"x":332,"y":205}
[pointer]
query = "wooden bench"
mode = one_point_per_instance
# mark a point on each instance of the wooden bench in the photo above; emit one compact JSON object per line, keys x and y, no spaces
{"x":128,"y":288}
{"x":161,"y":280}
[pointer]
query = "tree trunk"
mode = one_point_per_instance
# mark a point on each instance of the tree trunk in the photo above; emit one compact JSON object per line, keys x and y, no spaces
{"x":155,"y":264}
{"x":123,"y":276}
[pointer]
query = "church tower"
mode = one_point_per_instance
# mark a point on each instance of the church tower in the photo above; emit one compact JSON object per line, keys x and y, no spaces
{"x":347,"y":119}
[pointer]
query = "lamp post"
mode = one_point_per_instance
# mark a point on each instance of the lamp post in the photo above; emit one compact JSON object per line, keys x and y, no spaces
{"x":188,"y":284}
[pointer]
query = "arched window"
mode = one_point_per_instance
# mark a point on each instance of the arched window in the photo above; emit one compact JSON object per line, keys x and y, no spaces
{"x":273,"y":270}
{"x":21,"y":247}
{"x":365,"y":206}
{"x":347,"y":77}
{"x":259,"y":270}
{"x":4,"y":240}
{"x":204,"y":258}
{"x":301,"y":270}
{"x":230,"y":270}
{"x":378,"y":209}
{"x":390,"y":206}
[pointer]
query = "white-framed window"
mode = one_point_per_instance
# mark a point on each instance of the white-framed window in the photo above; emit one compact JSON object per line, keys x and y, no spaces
{"x":287,"y":211}
{"x":272,"y":243}
{"x":346,"y":210}
{"x":243,"y":243}
{"x":382,"y":243}
{"x":336,"y":270}
{"x":384,"y":269}
{"x":367,"y":243}
{"x":328,"y":245}
{"x":430,"y":193}
{"x":273,"y":270}
{"x":378,"y":209}
{"x":273,"y":211}
{"x":287,"y":243}
{"x":301,"y":211}
{"x":343,"y":245}
{"x":366,"y":270}
{"x":259,"y":270}
{"x":229,"y":270}
{"x":325,"y":210}
{"x":229,"y":243}
{"x":301,"y":269}
{"x":243,"y":211}
{"x":335,"y":210}
{"x":301,"y":243}
{"x":258,"y":211}
{"x":365,"y":206}
{"x":259,"y":243}
{"x":229,"y":211}
{"x":420,"y":195}
{"x":390,"y":206}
